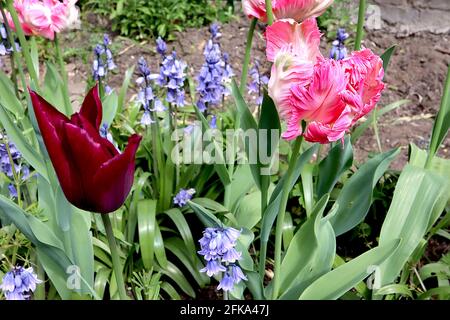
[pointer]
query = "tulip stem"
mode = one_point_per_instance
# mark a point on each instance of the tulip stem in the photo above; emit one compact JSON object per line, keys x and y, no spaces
{"x":360,"y":27}
{"x":23,"y":44}
{"x":62,"y":69}
{"x":117,"y":266}
{"x":281,"y":214}
{"x":248,"y":49}
{"x":269,"y":12}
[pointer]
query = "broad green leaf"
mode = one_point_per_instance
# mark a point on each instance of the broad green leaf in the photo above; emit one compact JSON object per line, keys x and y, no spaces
{"x":337,"y":282}
{"x":269,"y":123}
{"x":49,"y":248}
{"x":418,"y":158}
{"x":386,"y":57}
{"x":249,"y":211}
{"x":8,"y":96}
{"x":177,"y":276}
{"x":400,"y":289}
{"x":178,"y":248}
{"x":101,"y":280}
{"x":160,"y":252}
{"x":110,"y":106}
{"x":241,"y":183}
{"x":185,"y":232}
{"x":27,"y":151}
{"x":124,"y":89}
{"x":254,"y":285}
{"x":320,"y":262}
{"x":146,"y":213}
{"x":205,"y":216}
{"x":272,"y":209}
{"x":248,"y":124}
{"x":53,"y":87}
{"x":355,"y":198}
{"x":442,"y":122}
{"x":302,"y":246}
{"x":419,"y":198}
{"x":242,"y":245}
{"x":170,"y":290}
{"x":338,"y":160}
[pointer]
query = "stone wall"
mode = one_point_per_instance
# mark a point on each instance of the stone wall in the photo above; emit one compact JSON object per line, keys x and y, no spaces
{"x":407,"y":17}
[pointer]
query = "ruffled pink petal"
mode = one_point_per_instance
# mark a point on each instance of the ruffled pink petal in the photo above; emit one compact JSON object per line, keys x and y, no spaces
{"x":321,"y":100}
{"x":301,"y":39}
{"x":299,"y":10}
{"x":326,"y":133}
{"x":365,"y":72}
{"x":294,"y":127}
{"x":255,"y":9}
{"x":287,"y":71}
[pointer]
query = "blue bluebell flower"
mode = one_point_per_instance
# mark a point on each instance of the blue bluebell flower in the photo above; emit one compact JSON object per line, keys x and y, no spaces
{"x":213,"y":267}
{"x":103,"y":59}
{"x":19,"y":283}
{"x":214,"y":73}
{"x":172,"y":76}
{"x":6,"y":166}
{"x":257,"y":83}
{"x":145,"y":96}
{"x":214,"y":29}
{"x":232,"y":277}
{"x":338,"y":50}
{"x":183,"y":196}
{"x":161,"y":46}
{"x":218,"y":249}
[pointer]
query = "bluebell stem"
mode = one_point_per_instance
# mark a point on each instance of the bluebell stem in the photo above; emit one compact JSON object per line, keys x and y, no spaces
{"x":339,"y":51}
{"x":215,"y":72}
{"x":172,"y":76}
{"x":218,"y":249}
{"x":7,"y":167}
{"x":19,"y":283}
{"x":183,"y":196}
{"x":145,"y":96}
{"x":103,"y":59}
{"x":257,"y":83}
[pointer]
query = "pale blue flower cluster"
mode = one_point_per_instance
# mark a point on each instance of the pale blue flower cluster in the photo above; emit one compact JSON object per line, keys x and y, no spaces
{"x":339,"y":51}
{"x":171,"y":75}
{"x":183,"y":196}
{"x":146,"y":96}
{"x":21,"y":170}
{"x":19,"y":283}
{"x":103,"y":61}
{"x":257,"y":83}
{"x":218,"y":249}
{"x":215,"y":72}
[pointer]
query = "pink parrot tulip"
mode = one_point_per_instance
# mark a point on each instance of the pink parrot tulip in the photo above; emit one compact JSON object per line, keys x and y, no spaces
{"x":294,"y":49}
{"x":329,"y":95}
{"x":45,"y":17}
